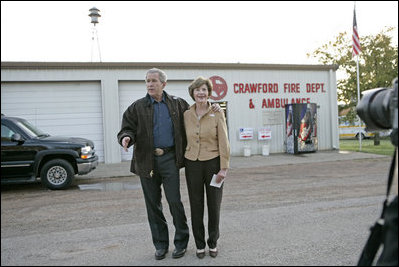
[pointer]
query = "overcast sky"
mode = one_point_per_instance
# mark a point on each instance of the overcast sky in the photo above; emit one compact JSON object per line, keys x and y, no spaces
{"x":217,"y":32}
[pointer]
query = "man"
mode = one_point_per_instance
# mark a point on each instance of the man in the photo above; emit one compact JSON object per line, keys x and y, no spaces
{"x":154,"y":124}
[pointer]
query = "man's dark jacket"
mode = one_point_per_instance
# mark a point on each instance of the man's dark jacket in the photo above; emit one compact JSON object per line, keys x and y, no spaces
{"x":137,"y":123}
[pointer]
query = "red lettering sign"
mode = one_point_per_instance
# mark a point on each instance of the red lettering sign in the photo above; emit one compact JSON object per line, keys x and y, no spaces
{"x":291,"y":88}
{"x":315,"y":87}
{"x":251,"y":88}
{"x":251,"y":105}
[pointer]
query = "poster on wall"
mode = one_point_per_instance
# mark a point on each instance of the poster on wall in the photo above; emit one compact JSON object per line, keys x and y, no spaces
{"x":246,"y":133}
{"x":264,"y":134}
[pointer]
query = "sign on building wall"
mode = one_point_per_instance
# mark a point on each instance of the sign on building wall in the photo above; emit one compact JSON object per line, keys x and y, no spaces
{"x":264,"y":134}
{"x":219,"y":88}
{"x":246,"y":133}
{"x":275,"y":117}
{"x":271,"y":95}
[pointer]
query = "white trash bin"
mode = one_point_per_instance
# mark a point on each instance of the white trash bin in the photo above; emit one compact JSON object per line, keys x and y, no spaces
{"x":247,"y":151}
{"x":265,"y":150}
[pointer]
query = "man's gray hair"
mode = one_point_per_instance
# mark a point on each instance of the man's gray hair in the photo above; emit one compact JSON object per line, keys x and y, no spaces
{"x":162,"y":75}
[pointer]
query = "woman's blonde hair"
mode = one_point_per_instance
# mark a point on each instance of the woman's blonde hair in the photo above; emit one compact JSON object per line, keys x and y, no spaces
{"x":197,"y":83}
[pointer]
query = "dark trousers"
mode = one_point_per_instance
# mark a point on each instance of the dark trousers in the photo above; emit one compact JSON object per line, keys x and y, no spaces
{"x":165,"y":173}
{"x":199,"y":175}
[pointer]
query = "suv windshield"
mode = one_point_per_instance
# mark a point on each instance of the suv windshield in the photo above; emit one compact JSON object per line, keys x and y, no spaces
{"x":31,"y":130}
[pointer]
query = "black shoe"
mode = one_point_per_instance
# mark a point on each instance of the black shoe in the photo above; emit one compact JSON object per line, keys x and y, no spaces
{"x":200,"y":253}
{"x":160,"y":253}
{"x":178,"y":253}
{"x":213,"y":252}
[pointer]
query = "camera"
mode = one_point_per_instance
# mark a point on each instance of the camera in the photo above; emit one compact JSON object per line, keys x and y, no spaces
{"x":379,"y":109}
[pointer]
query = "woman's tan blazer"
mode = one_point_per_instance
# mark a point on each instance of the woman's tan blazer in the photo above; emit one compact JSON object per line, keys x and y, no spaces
{"x":207,"y":137}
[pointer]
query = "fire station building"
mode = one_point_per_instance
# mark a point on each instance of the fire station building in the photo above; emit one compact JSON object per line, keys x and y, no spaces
{"x":88,"y":99}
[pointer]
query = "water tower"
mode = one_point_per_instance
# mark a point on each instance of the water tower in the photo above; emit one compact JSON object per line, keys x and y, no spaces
{"x":94,"y":39}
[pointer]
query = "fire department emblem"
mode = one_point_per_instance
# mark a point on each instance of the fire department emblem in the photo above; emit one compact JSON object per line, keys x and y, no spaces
{"x":219,"y":88}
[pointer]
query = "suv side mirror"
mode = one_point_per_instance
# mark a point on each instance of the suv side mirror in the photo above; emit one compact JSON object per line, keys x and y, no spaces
{"x":17,"y":138}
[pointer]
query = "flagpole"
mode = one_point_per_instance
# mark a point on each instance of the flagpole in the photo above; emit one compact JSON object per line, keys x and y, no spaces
{"x":358,"y":100}
{"x":356,"y":51}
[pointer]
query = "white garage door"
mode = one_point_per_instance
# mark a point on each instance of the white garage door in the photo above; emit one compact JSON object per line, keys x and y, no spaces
{"x":58,"y":108}
{"x":130,"y":91}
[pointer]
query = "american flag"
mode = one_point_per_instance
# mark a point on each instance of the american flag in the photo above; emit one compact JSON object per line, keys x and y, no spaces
{"x":355,"y":37}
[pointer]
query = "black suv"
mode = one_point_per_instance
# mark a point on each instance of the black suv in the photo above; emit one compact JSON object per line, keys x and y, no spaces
{"x":28,"y":153}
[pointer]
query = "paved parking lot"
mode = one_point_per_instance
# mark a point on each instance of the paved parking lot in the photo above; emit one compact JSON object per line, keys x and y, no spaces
{"x":309,"y":209}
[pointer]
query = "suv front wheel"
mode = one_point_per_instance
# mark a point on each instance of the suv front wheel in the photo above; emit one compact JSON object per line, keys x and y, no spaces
{"x":57,"y":174}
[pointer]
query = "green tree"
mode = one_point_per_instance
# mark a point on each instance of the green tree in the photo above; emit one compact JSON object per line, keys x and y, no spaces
{"x":378,"y":65}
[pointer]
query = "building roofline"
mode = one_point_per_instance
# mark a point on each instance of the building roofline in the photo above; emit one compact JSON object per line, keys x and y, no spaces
{"x":169,"y":65}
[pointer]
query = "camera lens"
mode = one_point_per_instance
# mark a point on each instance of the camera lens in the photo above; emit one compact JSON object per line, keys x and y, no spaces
{"x":374,"y":108}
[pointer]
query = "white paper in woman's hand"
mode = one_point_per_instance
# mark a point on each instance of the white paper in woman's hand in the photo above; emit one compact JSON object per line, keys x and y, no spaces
{"x":214,"y":183}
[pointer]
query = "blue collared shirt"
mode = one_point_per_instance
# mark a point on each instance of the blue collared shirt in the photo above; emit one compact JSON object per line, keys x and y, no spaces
{"x":163,"y":126}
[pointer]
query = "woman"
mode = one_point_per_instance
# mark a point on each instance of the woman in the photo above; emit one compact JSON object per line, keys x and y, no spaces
{"x":207,"y":153}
